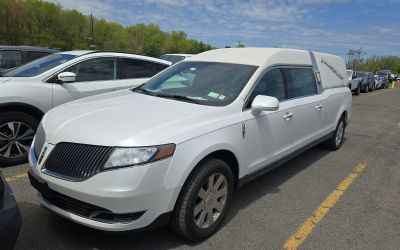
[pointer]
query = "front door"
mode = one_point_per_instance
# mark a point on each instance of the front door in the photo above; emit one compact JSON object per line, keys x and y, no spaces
{"x":268,"y":133}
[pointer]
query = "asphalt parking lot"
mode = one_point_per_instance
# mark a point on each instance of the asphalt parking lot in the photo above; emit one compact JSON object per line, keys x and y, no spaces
{"x":348,"y":199}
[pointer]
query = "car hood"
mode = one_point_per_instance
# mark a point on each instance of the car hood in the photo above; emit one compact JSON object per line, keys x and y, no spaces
{"x":5,"y":79}
{"x":128,"y":119}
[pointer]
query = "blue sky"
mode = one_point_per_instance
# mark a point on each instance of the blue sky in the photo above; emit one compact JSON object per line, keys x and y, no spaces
{"x":320,"y":25}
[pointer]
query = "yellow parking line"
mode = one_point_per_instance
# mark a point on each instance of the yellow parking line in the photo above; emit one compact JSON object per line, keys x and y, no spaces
{"x":296,"y":239}
{"x":16,"y":177}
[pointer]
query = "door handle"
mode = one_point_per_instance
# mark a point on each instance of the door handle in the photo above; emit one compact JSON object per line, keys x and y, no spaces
{"x":288,"y":116}
{"x":318,"y":107}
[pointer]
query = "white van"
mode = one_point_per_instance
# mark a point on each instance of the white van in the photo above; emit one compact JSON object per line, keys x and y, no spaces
{"x":175,"y":149}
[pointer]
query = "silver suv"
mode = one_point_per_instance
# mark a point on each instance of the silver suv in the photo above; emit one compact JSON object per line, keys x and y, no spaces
{"x":29,"y":91}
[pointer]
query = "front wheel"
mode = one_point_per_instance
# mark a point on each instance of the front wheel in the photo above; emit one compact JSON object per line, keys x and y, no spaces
{"x":17,"y":130}
{"x":336,"y":141}
{"x":204,"y":200}
{"x":358,"y":90}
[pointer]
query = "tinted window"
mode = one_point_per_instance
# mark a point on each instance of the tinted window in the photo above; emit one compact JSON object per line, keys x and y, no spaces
{"x":98,"y":69}
{"x":271,"y":84}
{"x":10,"y":59}
{"x":207,"y":83}
{"x":131,"y":68}
{"x":301,"y":82}
{"x":172,"y":58}
{"x":39,"y":66}
{"x":33,"y":55}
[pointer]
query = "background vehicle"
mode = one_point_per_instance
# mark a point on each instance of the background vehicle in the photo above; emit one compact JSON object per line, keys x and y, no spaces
{"x":207,"y":125}
{"x":14,"y":56}
{"x":354,"y":81}
{"x":371,"y":81}
{"x":364,"y":84}
{"x":378,"y":81}
{"x":386,"y":77}
{"x":10,"y":216}
{"x":174,"y":58}
{"x":29,"y":91}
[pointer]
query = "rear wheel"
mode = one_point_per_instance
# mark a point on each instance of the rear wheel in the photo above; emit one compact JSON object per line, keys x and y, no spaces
{"x":17,"y":130}
{"x":336,"y":141}
{"x":204,"y":200}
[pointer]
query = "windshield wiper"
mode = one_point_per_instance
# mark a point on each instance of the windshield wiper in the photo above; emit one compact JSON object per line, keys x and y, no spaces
{"x":144,"y":91}
{"x":178,"y":97}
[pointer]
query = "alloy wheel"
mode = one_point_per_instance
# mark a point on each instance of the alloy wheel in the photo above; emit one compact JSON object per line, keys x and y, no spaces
{"x":211,"y":200}
{"x":15,"y":139}
{"x":339,"y":133}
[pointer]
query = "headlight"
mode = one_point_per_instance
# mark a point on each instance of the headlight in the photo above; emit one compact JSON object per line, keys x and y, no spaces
{"x":125,"y":157}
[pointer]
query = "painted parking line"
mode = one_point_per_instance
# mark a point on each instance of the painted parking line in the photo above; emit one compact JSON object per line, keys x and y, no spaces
{"x":16,"y":177}
{"x":302,"y":233}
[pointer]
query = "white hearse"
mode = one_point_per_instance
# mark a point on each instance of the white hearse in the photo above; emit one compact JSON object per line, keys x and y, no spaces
{"x":175,"y":149}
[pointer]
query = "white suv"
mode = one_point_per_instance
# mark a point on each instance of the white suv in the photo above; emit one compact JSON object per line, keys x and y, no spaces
{"x":204,"y":127}
{"x":29,"y":91}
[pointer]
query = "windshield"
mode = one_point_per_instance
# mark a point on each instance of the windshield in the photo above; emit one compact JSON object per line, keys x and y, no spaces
{"x":40,"y":65}
{"x":207,"y":83}
{"x":172,"y":58}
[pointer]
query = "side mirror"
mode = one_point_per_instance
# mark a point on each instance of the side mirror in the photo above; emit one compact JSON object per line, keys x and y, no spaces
{"x":66,"y":77}
{"x":265,"y":103}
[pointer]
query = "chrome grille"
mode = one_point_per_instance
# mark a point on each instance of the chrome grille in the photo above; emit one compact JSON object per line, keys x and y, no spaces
{"x":40,"y":138}
{"x":76,"y":162}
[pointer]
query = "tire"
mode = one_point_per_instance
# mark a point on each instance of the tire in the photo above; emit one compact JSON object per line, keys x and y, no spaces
{"x":365,"y":90}
{"x":372,"y":89}
{"x":15,"y":139}
{"x":184,"y":221}
{"x":358,"y":90}
{"x":332,"y":143}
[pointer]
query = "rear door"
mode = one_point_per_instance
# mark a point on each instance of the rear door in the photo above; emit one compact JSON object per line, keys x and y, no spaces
{"x":133,"y":72}
{"x":308,"y":105}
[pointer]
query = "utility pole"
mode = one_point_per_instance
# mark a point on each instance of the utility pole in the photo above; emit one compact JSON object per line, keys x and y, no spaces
{"x":354,"y":55}
{"x":92,"y":44}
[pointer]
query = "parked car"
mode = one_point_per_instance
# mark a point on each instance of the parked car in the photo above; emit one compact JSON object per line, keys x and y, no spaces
{"x":174,"y":58}
{"x":175,"y":148}
{"x":10,"y":217}
{"x":378,"y":81}
{"x":371,"y":81}
{"x":29,"y":91}
{"x":14,"y":56}
{"x":385,"y":74}
{"x":354,"y":81}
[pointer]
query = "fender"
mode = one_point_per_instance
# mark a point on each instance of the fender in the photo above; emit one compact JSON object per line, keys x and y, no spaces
{"x":22,"y":107}
{"x":186,"y":159}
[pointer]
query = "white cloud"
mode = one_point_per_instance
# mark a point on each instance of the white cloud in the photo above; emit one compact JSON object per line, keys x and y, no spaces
{"x":297,"y":23}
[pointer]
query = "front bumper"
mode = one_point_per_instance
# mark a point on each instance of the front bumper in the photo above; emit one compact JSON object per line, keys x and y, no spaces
{"x":136,"y":191}
{"x":10,"y":219}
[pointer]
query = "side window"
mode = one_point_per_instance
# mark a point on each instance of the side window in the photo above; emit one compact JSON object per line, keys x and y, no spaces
{"x":10,"y":59}
{"x":97,"y":69}
{"x":300,"y":82}
{"x":33,"y":55}
{"x":271,"y":84}
{"x":132,"y":68}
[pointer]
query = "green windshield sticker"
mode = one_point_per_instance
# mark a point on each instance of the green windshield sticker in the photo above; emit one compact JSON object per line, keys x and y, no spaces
{"x":213,"y":95}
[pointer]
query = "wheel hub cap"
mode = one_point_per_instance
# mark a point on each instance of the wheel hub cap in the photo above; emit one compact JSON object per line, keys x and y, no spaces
{"x":15,"y":139}
{"x":211,"y":200}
